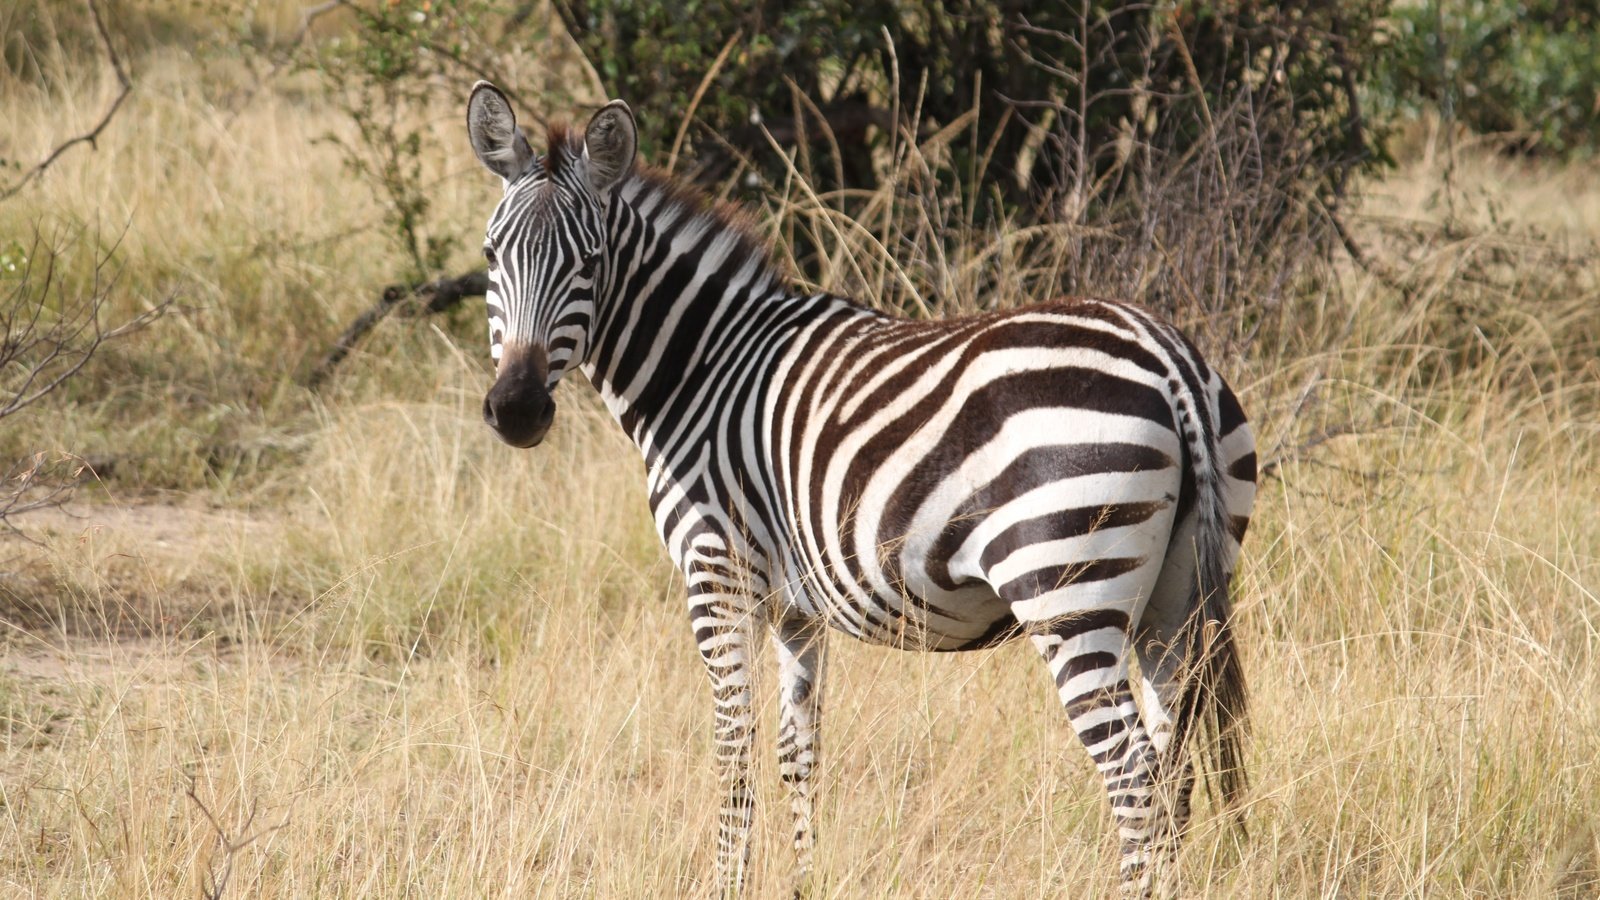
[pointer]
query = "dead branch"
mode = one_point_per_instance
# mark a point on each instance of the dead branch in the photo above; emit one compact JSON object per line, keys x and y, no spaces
{"x":41,"y":348}
{"x":35,"y":483}
{"x":419,"y":300}
{"x":92,"y":136}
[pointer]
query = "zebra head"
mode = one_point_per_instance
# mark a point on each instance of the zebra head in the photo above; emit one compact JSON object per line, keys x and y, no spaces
{"x":545,"y":246}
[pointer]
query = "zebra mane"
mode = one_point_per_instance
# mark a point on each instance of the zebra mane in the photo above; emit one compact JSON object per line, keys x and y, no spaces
{"x":673,"y":201}
{"x":564,"y":147}
{"x":686,"y":205}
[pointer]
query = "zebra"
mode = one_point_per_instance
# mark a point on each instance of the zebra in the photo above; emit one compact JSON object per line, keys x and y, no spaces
{"x":1071,"y":472}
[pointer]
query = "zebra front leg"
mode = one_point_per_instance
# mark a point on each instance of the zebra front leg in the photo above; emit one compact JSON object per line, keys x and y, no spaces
{"x":1088,"y":655}
{"x":799,"y":645}
{"x":722,"y":631}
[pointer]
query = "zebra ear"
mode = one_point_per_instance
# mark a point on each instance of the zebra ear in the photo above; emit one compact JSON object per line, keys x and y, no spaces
{"x":492,"y":128}
{"x":609,"y":144}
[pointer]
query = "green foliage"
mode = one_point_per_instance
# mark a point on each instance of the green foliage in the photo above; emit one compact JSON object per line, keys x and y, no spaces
{"x":402,"y":60}
{"x":1056,"y":87}
{"x":1529,"y":70}
{"x":13,"y":258}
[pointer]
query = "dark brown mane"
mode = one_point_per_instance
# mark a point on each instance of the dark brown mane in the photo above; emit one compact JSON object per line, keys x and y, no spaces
{"x":734,"y":221}
{"x":565,"y":145}
{"x":559,"y":139}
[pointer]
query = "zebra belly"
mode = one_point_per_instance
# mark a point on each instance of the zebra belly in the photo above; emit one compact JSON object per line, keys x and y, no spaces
{"x":969,"y":619}
{"x":967,"y":616}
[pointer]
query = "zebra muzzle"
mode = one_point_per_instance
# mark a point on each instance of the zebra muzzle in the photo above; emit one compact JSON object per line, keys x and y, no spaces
{"x":518,"y":407}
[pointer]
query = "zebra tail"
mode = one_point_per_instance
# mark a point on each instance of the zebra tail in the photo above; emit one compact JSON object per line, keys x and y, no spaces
{"x":1215,"y":701}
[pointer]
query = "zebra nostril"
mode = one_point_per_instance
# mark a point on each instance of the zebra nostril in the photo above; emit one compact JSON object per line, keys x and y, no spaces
{"x":488,"y":412}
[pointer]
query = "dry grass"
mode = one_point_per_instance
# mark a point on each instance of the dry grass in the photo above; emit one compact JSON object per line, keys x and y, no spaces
{"x":434,"y":666}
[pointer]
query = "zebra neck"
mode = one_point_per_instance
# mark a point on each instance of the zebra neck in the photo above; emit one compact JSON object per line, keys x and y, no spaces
{"x":690,"y":311}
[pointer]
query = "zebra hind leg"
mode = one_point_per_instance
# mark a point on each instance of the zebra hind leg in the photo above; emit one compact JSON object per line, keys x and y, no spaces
{"x":1187,"y":721}
{"x":1088,"y":655}
{"x":799,"y":646}
{"x":1162,"y":668}
{"x":1163,"y":641}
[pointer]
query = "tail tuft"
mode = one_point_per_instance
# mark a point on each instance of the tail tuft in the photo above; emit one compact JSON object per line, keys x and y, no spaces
{"x":1215,"y":701}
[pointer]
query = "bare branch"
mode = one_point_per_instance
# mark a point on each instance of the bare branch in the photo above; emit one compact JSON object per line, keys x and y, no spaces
{"x":47,"y":335}
{"x":90,"y":137}
{"x":35,"y":362}
{"x":423,"y":299}
{"x":35,"y":483}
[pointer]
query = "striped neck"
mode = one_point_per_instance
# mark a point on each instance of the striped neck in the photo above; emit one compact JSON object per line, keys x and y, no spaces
{"x":686,"y":291}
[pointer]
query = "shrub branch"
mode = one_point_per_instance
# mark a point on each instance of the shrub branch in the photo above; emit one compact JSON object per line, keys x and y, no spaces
{"x":48,"y":333}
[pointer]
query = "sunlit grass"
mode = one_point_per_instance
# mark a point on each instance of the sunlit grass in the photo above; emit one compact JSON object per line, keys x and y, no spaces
{"x":435,"y":666}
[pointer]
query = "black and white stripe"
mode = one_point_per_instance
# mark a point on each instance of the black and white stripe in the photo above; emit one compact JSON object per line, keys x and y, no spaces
{"x":1073,"y":472}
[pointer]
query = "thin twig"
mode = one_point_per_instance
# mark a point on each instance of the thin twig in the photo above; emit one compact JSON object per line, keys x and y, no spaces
{"x":63,"y":340}
{"x":25,"y":492}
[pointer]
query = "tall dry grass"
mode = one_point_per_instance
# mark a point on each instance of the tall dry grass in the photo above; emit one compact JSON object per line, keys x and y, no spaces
{"x":228,"y":196}
{"x":414,"y":662}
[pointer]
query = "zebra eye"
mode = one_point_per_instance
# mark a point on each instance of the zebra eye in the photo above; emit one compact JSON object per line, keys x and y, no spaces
{"x":589,"y":262}
{"x":488,"y":255}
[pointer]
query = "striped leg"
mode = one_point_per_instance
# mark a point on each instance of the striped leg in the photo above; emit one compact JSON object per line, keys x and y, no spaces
{"x":1162,"y":665}
{"x":1088,"y":656}
{"x":1162,"y":642}
{"x":721,"y":619}
{"x":799,"y":645}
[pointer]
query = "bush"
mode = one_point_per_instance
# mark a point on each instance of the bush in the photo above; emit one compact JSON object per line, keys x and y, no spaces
{"x":1059,"y":91}
{"x":1192,"y":157}
{"x":1529,"y":71}
{"x":399,"y":59}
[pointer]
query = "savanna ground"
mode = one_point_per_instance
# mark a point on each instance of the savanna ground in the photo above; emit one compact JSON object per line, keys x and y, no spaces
{"x":347,"y":644}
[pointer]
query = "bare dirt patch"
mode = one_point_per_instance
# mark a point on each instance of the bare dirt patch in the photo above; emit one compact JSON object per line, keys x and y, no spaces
{"x":115,"y":571}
